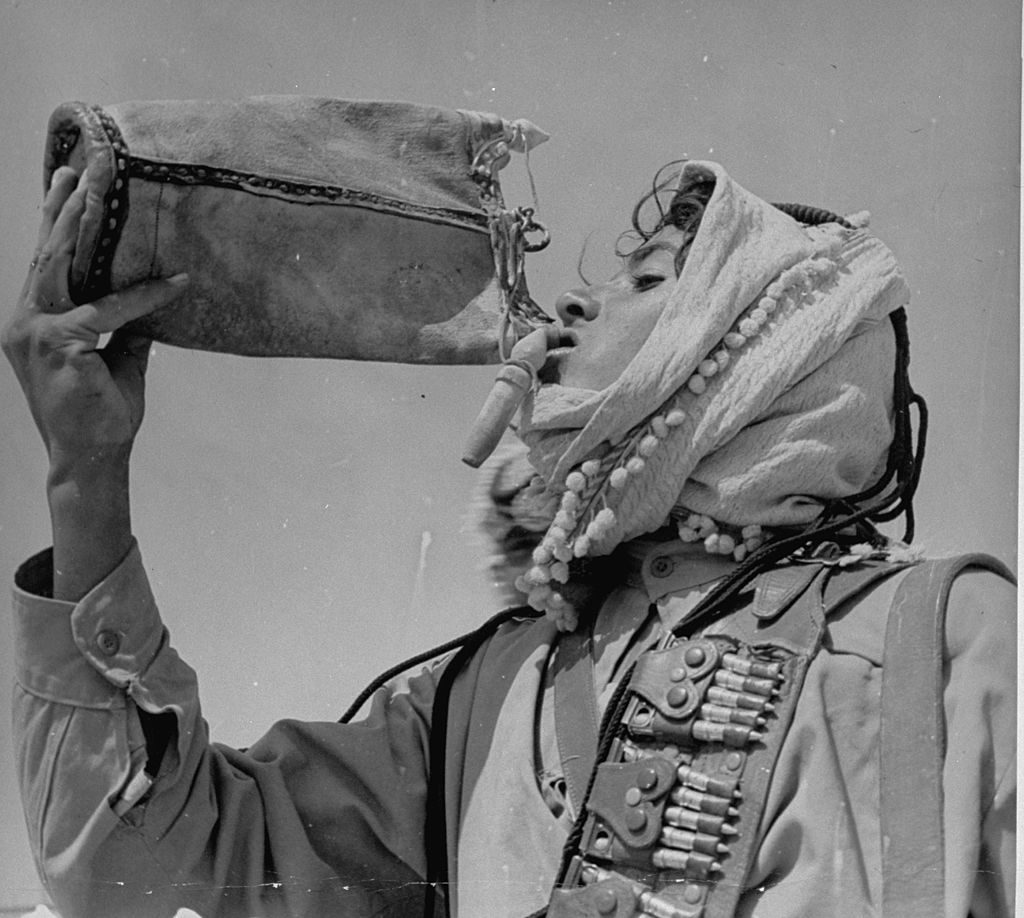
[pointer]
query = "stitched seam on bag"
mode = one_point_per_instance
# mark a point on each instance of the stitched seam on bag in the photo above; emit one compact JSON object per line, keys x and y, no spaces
{"x":156,"y":230}
{"x":115,"y":211}
{"x":265,"y":186}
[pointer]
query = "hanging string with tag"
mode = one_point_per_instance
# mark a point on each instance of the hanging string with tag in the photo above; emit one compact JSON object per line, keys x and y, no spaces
{"x":526,"y":332}
{"x":511,"y":231}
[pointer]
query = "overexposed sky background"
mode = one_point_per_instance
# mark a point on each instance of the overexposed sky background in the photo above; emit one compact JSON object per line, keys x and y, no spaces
{"x":304,"y":522}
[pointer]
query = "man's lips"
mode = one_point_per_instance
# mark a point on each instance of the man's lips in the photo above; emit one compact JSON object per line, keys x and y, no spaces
{"x":564,"y":343}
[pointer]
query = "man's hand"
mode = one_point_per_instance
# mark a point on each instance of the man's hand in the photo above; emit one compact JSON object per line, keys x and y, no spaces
{"x":87,"y":401}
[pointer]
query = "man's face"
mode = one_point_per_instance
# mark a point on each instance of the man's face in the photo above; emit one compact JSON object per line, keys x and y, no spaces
{"x":611,"y":321}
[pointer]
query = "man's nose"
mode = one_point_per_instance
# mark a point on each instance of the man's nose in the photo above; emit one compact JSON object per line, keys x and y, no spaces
{"x":577,"y":305}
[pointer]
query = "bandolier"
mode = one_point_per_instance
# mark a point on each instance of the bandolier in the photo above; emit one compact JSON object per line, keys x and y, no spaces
{"x":671,"y":815}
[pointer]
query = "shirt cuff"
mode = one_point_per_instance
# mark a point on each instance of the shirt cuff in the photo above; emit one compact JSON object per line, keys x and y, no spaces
{"x":86,"y":653}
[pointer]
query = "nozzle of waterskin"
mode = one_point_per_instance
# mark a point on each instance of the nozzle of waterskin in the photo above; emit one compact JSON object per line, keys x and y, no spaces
{"x":515,"y":378}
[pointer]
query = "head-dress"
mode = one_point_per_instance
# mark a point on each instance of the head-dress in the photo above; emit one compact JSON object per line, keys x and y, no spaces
{"x":763,"y":395}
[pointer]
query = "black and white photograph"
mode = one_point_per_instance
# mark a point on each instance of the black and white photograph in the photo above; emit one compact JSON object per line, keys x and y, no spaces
{"x":509,"y":459}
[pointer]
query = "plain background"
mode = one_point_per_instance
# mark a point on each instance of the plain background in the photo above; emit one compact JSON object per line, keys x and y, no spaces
{"x":304,"y":522}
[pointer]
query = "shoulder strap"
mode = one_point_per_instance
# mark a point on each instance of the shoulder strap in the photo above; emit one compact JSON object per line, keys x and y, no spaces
{"x":576,"y":719}
{"x":913,"y":742}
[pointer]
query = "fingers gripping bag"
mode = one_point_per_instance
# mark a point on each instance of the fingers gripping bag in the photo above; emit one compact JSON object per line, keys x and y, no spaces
{"x":309,"y":227}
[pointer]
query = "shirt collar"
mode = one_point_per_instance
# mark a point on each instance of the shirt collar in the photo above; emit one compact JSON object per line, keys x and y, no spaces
{"x":661,"y":568}
{"x":663,"y":582}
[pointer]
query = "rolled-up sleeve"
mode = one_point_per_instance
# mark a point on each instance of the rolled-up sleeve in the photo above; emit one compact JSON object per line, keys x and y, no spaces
{"x":315,"y":818}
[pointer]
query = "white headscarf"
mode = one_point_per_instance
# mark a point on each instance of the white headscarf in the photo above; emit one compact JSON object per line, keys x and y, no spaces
{"x":764,"y":389}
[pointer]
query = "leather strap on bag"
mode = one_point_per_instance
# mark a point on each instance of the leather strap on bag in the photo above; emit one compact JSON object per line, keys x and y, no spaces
{"x":913,"y":741}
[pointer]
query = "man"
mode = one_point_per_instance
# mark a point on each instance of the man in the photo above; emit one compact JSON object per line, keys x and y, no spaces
{"x":692,"y":727}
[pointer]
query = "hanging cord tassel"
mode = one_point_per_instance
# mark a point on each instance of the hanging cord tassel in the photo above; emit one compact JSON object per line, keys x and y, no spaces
{"x":525,"y":331}
{"x":510,"y":231}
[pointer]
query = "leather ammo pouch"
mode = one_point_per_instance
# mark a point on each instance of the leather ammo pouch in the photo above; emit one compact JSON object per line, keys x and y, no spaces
{"x":309,"y":227}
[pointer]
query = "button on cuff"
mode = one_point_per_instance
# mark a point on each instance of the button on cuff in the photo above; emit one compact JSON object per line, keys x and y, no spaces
{"x":116,"y":624}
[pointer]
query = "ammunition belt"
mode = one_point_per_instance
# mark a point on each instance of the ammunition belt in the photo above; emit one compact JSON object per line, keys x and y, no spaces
{"x":666,"y":810}
{"x":674,"y":809}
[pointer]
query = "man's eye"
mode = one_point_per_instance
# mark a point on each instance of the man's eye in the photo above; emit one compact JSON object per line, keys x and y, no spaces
{"x":642,"y":282}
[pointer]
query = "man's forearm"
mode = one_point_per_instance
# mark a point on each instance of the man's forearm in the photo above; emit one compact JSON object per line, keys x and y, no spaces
{"x":91,"y":520}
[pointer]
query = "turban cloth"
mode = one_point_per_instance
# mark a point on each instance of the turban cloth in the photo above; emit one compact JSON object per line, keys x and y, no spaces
{"x":763,"y":391}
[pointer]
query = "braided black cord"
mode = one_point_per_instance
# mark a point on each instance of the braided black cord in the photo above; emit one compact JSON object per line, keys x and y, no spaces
{"x":902,"y":397}
{"x":766,"y":556}
{"x":903,"y":463}
{"x":606,"y":736}
{"x":896,"y":459}
{"x":914,"y":475}
{"x":812,"y":216}
{"x":417,"y":659}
